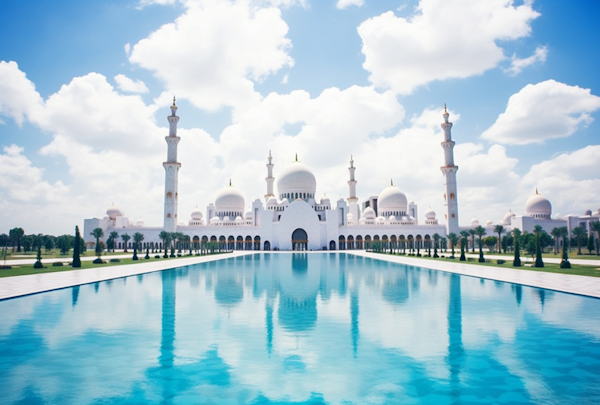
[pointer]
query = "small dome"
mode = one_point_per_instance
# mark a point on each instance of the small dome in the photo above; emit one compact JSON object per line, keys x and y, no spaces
{"x":489,"y":223}
{"x":230,"y":199}
{"x":380,"y":219}
{"x":474,"y":222}
{"x":429,"y":214}
{"x":140,"y":222}
{"x":368,"y":213}
{"x":325,"y":200}
{"x":249,"y":215}
{"x":272,"y":201}
{"x":391,"y":199}
{"x":588,"y":213}
{"x":238,"y":219}
{"x":350,"y":217}
{"x":507,"y":218}
{"x":113,"y":212}
{"x":196,"y":214}
{"x":215,"y":220}
{"x":296,"y":178}
{"x":538,"y":206}
{"x":285,"y":202}
{"x":392,"y":218}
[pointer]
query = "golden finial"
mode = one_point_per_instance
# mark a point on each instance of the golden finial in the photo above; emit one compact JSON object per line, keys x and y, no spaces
{"x":391,"y":182}
{"x":296,"y":156}
{"x":445,"y":111}
{"x":229,"y":182}
{"x":174,"y":102}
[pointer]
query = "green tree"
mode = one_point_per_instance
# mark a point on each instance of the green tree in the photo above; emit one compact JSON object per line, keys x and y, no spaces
{"x":38,"y":264}
{"x":537,"y":231}
{"x":76,"y":248}
{"x":436,"y":239}
{"x":595,"y":227}
{"x":64,"y":243}
{"x":563,"y":233}
{"x":125,"y":238}
{"x":480,"y":231}
{"x":578,"y":235}
{"x":98,"y":233}
{"x":48,"y":243}
{"x":138,"y":238}
{"x":517,"y":236}
{"x":499,"y":229}
{"x":490,"y":242}
{"x":114,"y":235}
{"x":590,"y":245}
{"x":15,"y":235}
{"x":464,"y":241}
{"x":453,"y":238}
{"x":166,"y":239}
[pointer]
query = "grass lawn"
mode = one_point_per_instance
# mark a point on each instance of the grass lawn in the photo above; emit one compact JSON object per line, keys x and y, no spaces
{"x":24,"y":269}
{"x":55,"y":254}
{"x":577,"y":269}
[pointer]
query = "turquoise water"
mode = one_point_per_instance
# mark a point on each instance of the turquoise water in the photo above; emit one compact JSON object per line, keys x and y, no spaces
{"x":300,"y":329}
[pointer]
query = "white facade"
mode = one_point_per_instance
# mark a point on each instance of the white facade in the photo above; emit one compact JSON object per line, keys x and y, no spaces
{"x":291,"y":217}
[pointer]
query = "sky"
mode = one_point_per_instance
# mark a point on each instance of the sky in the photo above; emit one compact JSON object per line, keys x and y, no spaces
{"x":85,"y":89}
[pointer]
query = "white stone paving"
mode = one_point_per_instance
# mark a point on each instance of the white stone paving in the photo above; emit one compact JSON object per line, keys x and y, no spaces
{"x":569,"y":283}
{"x":34,"y":283}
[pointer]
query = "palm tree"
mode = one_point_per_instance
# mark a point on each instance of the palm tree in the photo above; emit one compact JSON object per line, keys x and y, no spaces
{"x":595,"y":227}
{"x":436,"y":239}
{"x":472,"y":232}
{"x":138,"y":238}
{"x":464,"y":241}
{"x":578,"y":234}
{"x":125,"y":238}
{"x":166,"y":238}
{"x":563,"y":233}
{"x":517,"y":236}
{"x":480,"y":231}
{"x":453,"y":238}
{"x":114,"y":235}
{"x":555,"y":232}
{"x":537,"y":231}
{"x":499,"y":229}
{"x":97,"y":233}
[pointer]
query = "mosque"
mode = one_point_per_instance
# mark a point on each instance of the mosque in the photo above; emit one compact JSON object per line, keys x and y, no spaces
{"x":293,"y":218}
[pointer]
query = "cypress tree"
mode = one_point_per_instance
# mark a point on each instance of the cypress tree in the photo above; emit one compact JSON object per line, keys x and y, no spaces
{"x":38,"y":264}
{"x":517,"y":259}
{"x":538,"y":252}
{"x":76,"y":247}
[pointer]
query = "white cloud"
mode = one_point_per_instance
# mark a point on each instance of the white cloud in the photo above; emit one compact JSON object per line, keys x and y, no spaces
{"x":214,"y":52}
{"x":444,"y":39}
{"x":517,"y":65}
{"x":342,"y":4}
{"x":543,"y":111}
{"x":132,"y":86}
{"x":18,"y":97}
{"x":570,"y":180}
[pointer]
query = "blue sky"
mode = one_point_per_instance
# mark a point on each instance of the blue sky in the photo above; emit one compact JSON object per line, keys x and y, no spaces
{"x":85,"y":88}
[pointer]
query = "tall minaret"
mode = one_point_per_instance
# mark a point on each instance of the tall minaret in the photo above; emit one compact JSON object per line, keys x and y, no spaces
{"x":269,"y":178}
{"x":171,"y":172}
{"x":352,"y":182}
{"x":449,"y":169}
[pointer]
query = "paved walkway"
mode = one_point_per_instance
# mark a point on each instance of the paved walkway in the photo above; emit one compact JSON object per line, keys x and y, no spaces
{"x":34,"y":283}
{"x":569,"y":283}
{"x":528,"y":259}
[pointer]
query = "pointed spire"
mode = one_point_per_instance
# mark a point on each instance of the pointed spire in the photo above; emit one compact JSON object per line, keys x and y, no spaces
{"x":536,"y":191}
{"x":230,"y":183}
{"x":445,"y":110}
{"x":270,"y":153}
{"x":391,"y":182}
{"x":296,"y":156}
{"x":174,"y":105}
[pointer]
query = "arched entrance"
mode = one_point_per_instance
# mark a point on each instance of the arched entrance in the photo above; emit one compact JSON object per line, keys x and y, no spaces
{"x":299,"y":239}
{"x":332,"y":245}
{"x":267,"y":245}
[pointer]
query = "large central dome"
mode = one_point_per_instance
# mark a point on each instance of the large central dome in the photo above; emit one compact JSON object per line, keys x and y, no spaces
{"x":230,"y":199}
{"x":538,"y":206}
{"x":392,"y":201}
{"x":296,"y":181}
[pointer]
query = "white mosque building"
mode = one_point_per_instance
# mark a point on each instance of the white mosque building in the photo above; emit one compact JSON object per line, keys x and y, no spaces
{"x":292,"y":218}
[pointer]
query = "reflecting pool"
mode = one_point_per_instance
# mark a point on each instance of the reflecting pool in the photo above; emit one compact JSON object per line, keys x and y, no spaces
{"x":296,"y":328}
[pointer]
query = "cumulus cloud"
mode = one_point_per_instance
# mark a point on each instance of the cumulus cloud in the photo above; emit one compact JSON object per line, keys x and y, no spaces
{"x":543,"y":111}
{"x":214,"y":52}
{"x":517,"y":64}
{"x":129,"y":85}
{"x":18,"y":99}
{"x":444,"y":39}
{"x":342,"y":4}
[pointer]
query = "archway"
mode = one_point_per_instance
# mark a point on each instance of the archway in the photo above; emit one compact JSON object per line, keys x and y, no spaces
{"x":332,"y":245}
{"x":299,"y":239}
{"x":257,"y":243}
{"x":267,"y":245}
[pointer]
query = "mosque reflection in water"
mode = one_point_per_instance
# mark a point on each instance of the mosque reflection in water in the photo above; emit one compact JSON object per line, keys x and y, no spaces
{"x":312,"y":328}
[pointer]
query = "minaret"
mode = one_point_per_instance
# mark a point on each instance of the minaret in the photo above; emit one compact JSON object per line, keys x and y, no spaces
{"x":449,"y":169}
{"x":171,"y":172}
{"x":352,"y":182}
{"x":269,"y":178}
